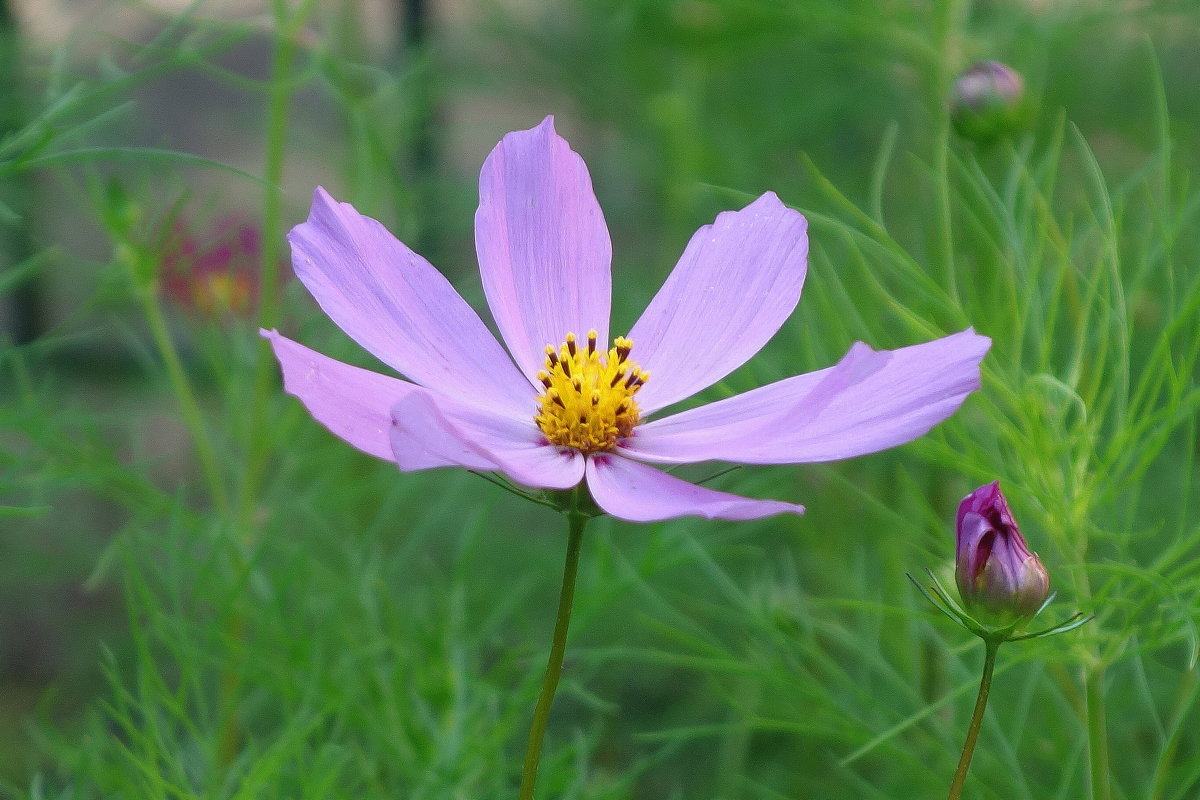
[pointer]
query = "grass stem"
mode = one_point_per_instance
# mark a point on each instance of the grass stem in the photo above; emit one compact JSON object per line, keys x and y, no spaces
{"x":947,"y":64}
{"x":1098,"y":761}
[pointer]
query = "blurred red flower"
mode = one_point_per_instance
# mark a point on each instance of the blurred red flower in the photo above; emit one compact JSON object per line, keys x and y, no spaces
{"x":217,"y":273}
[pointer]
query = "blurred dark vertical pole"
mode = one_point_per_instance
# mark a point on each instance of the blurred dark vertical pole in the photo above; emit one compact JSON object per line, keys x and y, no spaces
{"x":16,"y":243}
{"x":414,"y":55}
{"x":415,"y":35}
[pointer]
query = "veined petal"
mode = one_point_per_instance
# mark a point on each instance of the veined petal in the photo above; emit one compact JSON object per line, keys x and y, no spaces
{"x":638,"y":493}
{"x":544,"y":250}
{"x":430,"y":431}
{"x":354,"y":404}
{"x":869,"y":401}
{"x":396,"y":305}
{"x":693,"y":435}
{"x":735,"y":284}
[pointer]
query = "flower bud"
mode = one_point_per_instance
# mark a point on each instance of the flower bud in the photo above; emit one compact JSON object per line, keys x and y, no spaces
{"x":988,"y":101}
{"x":999,"y":580}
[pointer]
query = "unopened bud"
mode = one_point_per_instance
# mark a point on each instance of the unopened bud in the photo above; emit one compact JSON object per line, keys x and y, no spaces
{"x":988,"y":101}
{"x":1000,"y":581}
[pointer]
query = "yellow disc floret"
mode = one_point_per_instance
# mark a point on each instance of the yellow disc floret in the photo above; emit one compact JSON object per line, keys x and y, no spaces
{"x":588,"y":400}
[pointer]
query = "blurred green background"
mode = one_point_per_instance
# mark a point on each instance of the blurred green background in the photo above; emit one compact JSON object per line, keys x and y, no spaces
{"x":205,"y":594}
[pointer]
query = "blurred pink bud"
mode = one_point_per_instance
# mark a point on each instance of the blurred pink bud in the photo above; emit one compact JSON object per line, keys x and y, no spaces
{"x":988,"y":101}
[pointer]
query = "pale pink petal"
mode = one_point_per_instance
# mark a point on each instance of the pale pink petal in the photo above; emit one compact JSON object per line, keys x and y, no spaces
{"x":869,"y":401}
{"x":544,"y":251}
{"x":431,"y":431}
{"x":354,"y":404}
{"x":691,"y":435}
{"x":735,"y":284}
{"x":638,"y":493}
{"x":396,"y":305}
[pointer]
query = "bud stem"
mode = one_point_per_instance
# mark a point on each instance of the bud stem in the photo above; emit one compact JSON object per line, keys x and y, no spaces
{"x":985,"y":688}
{"x":576,"y":522}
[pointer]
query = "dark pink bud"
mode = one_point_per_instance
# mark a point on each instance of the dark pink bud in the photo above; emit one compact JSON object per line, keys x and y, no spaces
{"x":999,"y":579}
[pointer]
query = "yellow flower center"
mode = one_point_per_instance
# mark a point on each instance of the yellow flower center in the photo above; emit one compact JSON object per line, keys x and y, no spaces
{"x":222,"y":292}
{"x":588,"y":400}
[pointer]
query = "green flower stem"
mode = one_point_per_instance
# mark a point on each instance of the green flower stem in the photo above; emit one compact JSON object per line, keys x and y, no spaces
{"x":541,"y":712}
{"x":985,"y":688}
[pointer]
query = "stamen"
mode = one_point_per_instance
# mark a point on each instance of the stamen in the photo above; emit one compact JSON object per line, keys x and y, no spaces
{"x":588,"y":400}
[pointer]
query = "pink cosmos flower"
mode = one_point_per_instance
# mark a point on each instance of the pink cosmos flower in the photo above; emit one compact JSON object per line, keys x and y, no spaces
{"x":571,"y":409}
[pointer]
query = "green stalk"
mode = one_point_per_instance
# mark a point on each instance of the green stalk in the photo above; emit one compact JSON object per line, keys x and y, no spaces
{"x":952,"y":12}
{"x":287,"y":24}
{"x":277,"y":118}
{"x":1178,"y":727}
{"x":188,"y":406}
{"x":541,"y":712}
{"x":272,"y":215}
{"x":1093,"y":680}
{"x":1093,"y":693}
{"x":985,"y":688}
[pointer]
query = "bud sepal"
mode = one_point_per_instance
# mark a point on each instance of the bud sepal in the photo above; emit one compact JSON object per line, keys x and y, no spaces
{"x":943,"y":601}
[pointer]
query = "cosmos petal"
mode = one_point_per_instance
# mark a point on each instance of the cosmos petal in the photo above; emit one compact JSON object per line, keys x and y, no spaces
{"x":397,"y":306}
{"x":735,"y":284}
{"x":638,"y":493}
{"x":544,"y":250}
{"x":431,"y":431}
{"x":869,"y":401}
{"x":354,"y":404}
